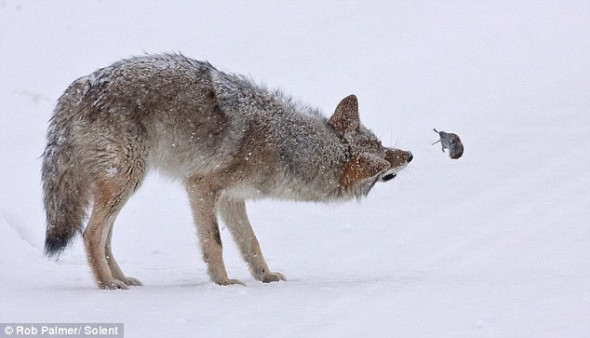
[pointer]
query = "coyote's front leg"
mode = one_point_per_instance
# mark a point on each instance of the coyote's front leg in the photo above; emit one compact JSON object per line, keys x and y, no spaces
{"x":234,"y":216}
{"x":203,"y":201}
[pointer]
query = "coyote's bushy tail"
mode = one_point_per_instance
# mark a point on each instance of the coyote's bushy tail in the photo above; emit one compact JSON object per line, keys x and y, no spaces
{"x":64,"y":189}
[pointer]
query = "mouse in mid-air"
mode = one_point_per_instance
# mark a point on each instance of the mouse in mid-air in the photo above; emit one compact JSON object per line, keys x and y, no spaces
{"x":450,"y":141}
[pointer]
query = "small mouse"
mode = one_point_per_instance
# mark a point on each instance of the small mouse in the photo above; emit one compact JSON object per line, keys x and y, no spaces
{"x":452,"y":142}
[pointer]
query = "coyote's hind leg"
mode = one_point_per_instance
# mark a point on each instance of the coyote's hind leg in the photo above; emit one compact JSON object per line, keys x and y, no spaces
{"x":109,"y":197}
{"x":112,"y":263}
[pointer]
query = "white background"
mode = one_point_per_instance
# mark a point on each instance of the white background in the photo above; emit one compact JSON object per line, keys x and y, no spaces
{"x":495,"y":244}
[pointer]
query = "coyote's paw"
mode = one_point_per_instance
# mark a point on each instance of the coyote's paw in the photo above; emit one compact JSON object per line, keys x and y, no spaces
{"x":227,"y":282}
{"x":132,"y":281}
{"x":114,"y":284}
{"x":269,"y":277}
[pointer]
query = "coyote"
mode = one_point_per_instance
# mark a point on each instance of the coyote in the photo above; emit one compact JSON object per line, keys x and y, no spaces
{"x":226,"y":138}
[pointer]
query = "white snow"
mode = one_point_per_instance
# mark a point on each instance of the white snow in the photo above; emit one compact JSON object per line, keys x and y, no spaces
{"x":495,"y":244}
{"x":112,"y":171}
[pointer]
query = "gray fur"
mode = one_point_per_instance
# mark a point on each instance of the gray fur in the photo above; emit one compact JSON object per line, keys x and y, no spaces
{"x":452,"y":142}
{"x":226,"y":138}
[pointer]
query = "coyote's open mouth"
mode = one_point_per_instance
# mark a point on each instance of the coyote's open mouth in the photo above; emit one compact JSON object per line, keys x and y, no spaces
{"x":388,"y":177}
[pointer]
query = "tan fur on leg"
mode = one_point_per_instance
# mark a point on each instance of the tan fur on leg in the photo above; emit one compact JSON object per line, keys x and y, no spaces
{"x":95,"y":237}
{"x":109,"y":198}
{"x":113,"y":266}
{"x":203,"y":200}
{"x":234,"y":216}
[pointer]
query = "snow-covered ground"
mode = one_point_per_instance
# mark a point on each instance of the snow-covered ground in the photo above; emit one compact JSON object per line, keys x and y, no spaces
{"x":495,"y":244}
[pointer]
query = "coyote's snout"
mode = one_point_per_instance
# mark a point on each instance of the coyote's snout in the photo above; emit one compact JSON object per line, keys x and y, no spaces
{"x":224,"y":137}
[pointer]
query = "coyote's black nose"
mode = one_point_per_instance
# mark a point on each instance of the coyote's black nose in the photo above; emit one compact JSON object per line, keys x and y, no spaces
{"x":410,"y":157}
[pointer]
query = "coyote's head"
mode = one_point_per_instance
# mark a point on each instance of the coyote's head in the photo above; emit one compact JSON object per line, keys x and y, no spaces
{"x":369,"y":161}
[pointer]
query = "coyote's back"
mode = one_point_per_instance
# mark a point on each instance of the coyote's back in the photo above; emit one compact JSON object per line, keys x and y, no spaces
{"x":100,"y":132}
{"x":226,"y":138}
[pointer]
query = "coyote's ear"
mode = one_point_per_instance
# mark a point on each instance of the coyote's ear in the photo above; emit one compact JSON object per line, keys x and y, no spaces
{"x":361,"y":167}
{"x":346,"y":115}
